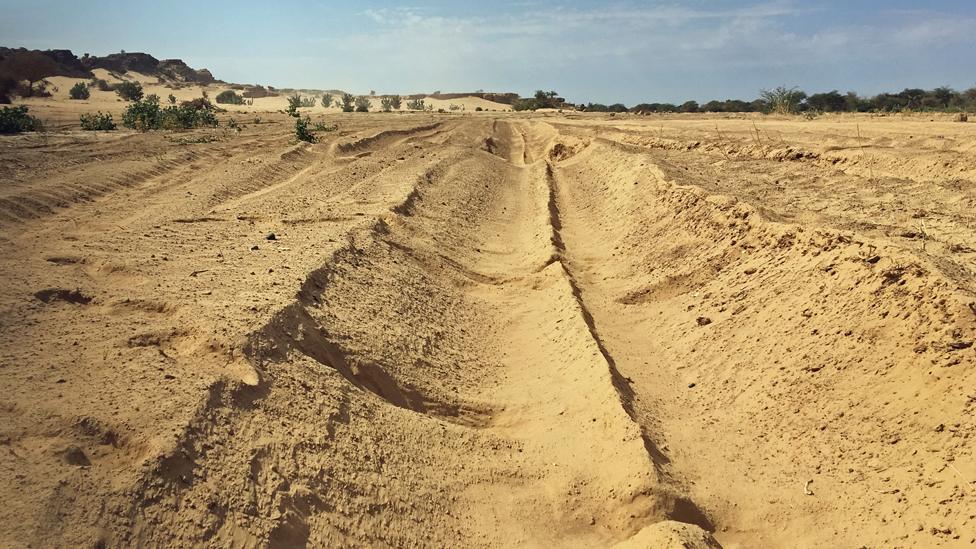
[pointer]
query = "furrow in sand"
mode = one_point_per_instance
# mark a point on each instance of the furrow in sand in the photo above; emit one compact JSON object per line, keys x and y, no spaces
{"x":412,"y":394}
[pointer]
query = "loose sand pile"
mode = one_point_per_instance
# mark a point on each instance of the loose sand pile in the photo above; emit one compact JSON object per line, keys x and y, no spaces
{"x":490,"y":330}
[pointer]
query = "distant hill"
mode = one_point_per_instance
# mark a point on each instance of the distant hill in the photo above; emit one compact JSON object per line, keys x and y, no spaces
{"x":66,"y":63}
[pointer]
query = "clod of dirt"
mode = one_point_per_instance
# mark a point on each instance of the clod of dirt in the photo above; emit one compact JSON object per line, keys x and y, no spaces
{"x":73,"y":455}
{"x":703,"y":321}
{"x":59,"y":294}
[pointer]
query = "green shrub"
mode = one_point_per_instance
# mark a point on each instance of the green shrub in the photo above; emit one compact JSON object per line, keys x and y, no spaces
{"x":16,"y":120}
{"x":294,"y":102}
{"x":307,"y":102}
{"x":79,"y":91}
{"x":229,"y":97}
{"x":347,"y":102}
{"x":395,"y":102}
{"x":327,"y":100}
{"x":302,"y":132}
{"x":386,"y":104}
{"x":416,"y":105}
{"x":172,"y":99}
{"x":101,"y":84}
{"x":97,"y":122}
{"x":147,"y":115}
{"x":129,"y":91}
{"x":321,"y":127}
{"x":363,"y":104}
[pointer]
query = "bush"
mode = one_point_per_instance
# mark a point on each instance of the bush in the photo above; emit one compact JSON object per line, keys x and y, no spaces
{"x":363,"y":104}
{"x":347,"y":102}
{"x":101,"y":85}
{"x":307,"y":102}
{"x":783,"y":100}
{"x":229,"y":97}
{"x":478,"y":109}
{"x":322,"y":127}
{"x":79,"y":91}
{"x":416,"y":105}
{"x":129,"y":91}
{"x":147,"y":115}
{"x":172,"y":99}
{"x":327,"y":100}
{"x":395,"y":102}
{"x":386,"y":104}
{"x":16,"y":120}
{"x":97,"y":122}
{"x":294,"y":102}
{"x":302,"y":132}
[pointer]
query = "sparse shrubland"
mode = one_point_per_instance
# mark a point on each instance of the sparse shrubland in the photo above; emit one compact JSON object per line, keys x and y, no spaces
{"x":97,"y":121}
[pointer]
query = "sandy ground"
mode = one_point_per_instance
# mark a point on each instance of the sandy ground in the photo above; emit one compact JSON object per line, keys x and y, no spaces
{"x":490,"y":330}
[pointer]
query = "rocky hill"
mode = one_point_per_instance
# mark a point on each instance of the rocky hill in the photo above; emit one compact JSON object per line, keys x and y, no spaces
{"x":66,"y":63}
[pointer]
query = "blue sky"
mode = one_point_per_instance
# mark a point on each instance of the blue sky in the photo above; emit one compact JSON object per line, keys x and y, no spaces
{"x":606,"y":52}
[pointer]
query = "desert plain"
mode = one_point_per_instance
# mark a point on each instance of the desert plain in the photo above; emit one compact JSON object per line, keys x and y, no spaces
{"x":493,"y":329}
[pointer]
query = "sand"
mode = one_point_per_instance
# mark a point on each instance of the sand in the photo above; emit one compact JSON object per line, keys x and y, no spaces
{"x":488,"y":329}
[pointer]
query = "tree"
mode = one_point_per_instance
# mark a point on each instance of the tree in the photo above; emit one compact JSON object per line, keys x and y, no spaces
{"x":294,"y":102}
{"x":363,"y":104}
{"x":688,"y":106}
{"x":783,"y":100}
{"x":347,"y":102}
{"x":386,"y":104}
{"x":32,"y":66}
{"x":395,"y":102}
{"x":327,"y":100}
{"x":831,"y":101}
{"x":79,"y":91}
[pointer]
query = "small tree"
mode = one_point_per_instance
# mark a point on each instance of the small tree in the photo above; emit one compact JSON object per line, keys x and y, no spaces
{"x":294,"y":102}
{"x":347,"y":102}
{"x":416,"y":105}
{"x":79,"y":91}
{"x":302,"y":132}
{"x":783,"y":100}
{"x":327,"y":100}
{"x":363,"y":104}
{"x":129,"y":91}
{"x":386,"y":104}
{"x":395,"y":102}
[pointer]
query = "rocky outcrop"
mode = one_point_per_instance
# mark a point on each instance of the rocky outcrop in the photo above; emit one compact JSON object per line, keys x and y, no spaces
{"x":68,"y":64}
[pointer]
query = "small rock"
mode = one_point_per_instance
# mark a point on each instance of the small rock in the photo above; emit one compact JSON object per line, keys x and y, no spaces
{"x":750,"y":271}
{"x":254,"y":247}
{"x":271,"y":236}
{"x":692,"y":385}
{"x":703,"y":321}
{"x":74,"y":455}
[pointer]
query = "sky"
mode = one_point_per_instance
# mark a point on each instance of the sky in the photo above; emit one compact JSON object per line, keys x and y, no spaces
{"x":607,"y":52}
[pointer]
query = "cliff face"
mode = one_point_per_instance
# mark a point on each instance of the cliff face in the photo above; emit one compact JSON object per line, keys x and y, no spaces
{"x":68,"y":64}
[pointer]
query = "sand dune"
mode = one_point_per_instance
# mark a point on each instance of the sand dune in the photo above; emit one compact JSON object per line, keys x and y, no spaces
{"x":490,"y":330}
